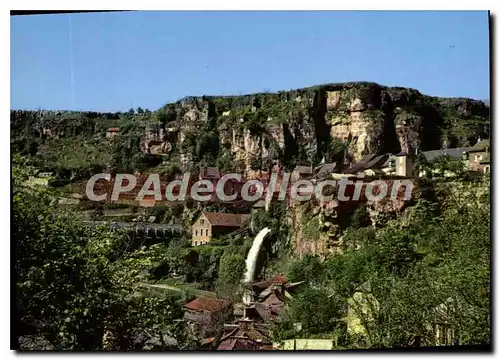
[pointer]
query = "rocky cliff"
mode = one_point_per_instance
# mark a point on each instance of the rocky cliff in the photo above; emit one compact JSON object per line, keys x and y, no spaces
{"x":290,"y":127}
{"x":254,"y":132}
{"x":305,"y":125}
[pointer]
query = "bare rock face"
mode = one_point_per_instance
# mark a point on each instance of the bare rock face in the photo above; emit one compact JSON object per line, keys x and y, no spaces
{"x":303,"y":244}
{"x":333,"y":100}
{"x":292,"y":128}
{"x":362,"y":131}
{"x":157,"y":140}
{"x":296,"y":127}
{"x":408,"y":130}
{"x":277,"y":133}
{"x":160,"y":149}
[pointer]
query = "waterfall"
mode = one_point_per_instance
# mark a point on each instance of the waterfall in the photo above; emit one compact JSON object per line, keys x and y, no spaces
{"x":251,"y":260}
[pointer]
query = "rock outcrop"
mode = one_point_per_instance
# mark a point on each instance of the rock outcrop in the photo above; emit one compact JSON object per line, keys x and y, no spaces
{"x":299,"y":126}
{"x":340,"y":122}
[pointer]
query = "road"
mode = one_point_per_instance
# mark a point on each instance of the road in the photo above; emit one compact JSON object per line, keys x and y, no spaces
{"x":179,"y":289}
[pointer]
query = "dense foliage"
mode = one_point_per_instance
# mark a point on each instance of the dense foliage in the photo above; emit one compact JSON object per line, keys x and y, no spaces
{"x":81,"y":288}
{"x":77,"y":287}
{"x":439,"y":252}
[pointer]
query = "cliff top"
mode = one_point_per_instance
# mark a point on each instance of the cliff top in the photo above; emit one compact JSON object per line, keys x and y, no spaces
{"x":393,"y":91}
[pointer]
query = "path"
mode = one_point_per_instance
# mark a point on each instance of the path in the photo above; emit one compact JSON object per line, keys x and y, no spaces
{"x":179,"y":289}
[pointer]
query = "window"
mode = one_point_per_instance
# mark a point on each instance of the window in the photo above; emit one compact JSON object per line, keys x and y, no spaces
{"x":444,"y":335}
{"x":202,"y":221}
{"x":206,"y":232}
{"x":196,"y":232}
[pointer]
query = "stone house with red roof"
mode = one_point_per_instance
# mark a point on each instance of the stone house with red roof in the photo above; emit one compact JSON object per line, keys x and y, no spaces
{"x":205,"y":313}
{"x":112,"y":132}
{"x":210,"y":224}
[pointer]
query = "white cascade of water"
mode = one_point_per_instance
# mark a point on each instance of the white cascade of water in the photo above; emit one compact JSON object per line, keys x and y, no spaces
{"x":251,"y":260}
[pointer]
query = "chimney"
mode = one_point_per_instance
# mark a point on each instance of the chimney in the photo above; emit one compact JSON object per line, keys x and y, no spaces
{"x":245,"y":324}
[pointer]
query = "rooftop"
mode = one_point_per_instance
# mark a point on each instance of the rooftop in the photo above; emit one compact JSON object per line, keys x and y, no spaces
{"x":481,"y":145}
{"x":280,"y":279}
{"x":368,"y":162}
{"x":246,"y":335}
{"x":207,"y":304}
{"x":327,"y":168}
{"x":454,"y":153}
{"x":225,"y":219}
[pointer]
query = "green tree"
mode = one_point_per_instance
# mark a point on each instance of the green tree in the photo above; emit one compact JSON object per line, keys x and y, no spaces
{"x":312,"y":312}
{"x":231,"y":271}
{"x":308,"y":268}
{"x":77,"y":287}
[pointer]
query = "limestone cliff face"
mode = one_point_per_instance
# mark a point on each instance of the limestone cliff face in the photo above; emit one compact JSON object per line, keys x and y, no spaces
{"x":299,"y":126}
{"x":303,"y":126}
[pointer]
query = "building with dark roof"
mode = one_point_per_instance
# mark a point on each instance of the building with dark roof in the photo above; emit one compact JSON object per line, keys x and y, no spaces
{"x":454,"y":153}
{"x":368,"y":162}
{"x":211,"y":224}
{"x":246,"y":335}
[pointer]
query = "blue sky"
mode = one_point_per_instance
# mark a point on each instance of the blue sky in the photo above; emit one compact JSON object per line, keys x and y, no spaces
{"x":115,"y":61}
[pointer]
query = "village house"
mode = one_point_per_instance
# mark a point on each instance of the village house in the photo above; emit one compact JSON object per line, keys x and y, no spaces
{"x":458,"y":154}
{"x":262,"y":307}
{"x":485,"y":163}
{"x":213,"y":175}
{"x":204,"y":313}
{"x":266,"y":299}
{"x":405,"y":165}
{"x":474,"y":159}
{"x":271,"y":300}
{"x":112,"y":132}
{"x":246,"y":335}
{"x":442,"y":327}
{"x":479,"y":157}
{"x":209,"y":225}
{"x":147,"y":201}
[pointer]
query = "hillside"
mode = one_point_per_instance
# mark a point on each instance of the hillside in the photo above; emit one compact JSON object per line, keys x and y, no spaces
{"x":254,"y":131}
{"x":370,"y":274}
